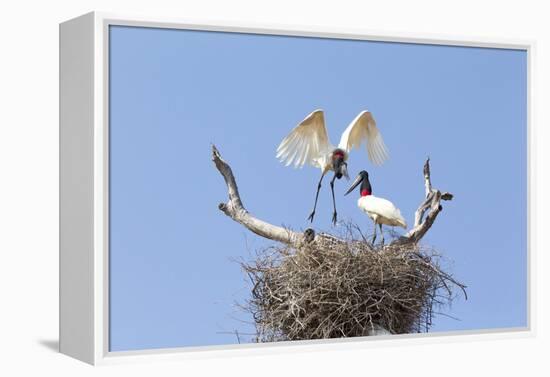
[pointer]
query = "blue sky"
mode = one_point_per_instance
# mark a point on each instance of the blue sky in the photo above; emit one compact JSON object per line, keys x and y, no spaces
{"x":174,"y":92}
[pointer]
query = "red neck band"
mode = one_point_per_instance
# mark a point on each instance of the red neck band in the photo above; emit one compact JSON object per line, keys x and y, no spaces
{"x":365,"y":192}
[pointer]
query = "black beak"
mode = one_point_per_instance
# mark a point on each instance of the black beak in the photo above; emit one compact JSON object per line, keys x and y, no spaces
{"x":355,"y":183}
{"x":345,"y":170}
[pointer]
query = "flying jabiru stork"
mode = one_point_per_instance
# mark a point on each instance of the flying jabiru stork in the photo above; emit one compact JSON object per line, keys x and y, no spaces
{"x":309,"y":143}
{"x":380,"y":210}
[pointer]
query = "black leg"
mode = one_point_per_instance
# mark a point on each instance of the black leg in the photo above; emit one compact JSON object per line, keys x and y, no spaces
{"x":310,"y":218}
{"x":334,"y":214}
{"x":374,"y":237}
{"x":382,"y":233}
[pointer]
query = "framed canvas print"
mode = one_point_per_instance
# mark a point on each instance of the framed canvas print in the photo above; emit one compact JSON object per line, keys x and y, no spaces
{"x":241,"y":188}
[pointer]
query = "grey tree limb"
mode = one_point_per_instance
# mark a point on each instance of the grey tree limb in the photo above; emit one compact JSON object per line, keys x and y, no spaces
{"x":425,"y":215}
{"x":235,"y":209}
{"x":430,"y":208}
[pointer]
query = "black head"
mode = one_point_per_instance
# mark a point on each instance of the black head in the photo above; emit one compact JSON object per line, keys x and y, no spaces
{"x":363,"y":179}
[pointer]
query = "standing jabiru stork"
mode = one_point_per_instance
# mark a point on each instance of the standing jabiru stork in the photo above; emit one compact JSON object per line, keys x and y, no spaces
{"x":380,"y":210}
{"x":308,"y":143}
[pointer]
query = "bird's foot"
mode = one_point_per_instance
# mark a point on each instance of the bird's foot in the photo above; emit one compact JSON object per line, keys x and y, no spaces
{"x":334,"y":218}
{"x":311,"y":215}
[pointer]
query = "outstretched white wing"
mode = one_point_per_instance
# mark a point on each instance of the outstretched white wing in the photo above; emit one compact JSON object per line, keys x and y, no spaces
{"x":306,"y":143}
{"x":363,"y":127}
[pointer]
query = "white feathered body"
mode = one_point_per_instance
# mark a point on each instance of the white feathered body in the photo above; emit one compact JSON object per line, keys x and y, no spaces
{"x":381,"y":211}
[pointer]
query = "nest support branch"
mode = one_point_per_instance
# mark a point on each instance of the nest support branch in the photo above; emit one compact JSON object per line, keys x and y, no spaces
{"x":235,"y":209}
{"x":424,"y":217}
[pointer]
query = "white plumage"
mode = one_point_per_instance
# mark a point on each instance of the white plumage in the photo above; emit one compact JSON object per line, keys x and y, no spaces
{"x":381,"y":211}
{"x":363,"y":128}
{"x":308,"y":143}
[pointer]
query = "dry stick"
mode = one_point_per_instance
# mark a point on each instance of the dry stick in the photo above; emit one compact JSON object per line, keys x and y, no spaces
{"x":431,"y":203}
{"x":234,"y":208}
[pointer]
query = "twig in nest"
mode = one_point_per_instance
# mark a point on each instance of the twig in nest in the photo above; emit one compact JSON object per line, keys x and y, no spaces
{"x":345,"y":290}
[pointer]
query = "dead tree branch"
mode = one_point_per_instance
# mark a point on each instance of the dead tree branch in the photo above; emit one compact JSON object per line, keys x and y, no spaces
{"x":431,"y":205}
{"x":424,"y":217}
{"x":234,"y":208}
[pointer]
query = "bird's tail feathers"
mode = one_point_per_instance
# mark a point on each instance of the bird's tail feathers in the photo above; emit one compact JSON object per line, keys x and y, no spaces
{"x":401,"y":220}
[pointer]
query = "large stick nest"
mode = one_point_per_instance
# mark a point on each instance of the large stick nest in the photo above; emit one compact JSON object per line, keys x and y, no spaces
{"x":316,"y":286}
{"x":350,"y":289}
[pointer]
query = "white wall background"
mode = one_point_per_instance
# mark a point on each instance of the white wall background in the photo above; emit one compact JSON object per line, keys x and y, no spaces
{"x":29,"y":183}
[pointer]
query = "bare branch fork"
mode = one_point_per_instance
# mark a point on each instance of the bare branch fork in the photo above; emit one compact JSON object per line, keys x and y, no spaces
{"x":235,"y":209}
{"x":432,"y":203}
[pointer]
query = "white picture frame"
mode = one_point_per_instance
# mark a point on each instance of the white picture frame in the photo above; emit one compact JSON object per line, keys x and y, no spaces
{"x":84,"y":201}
